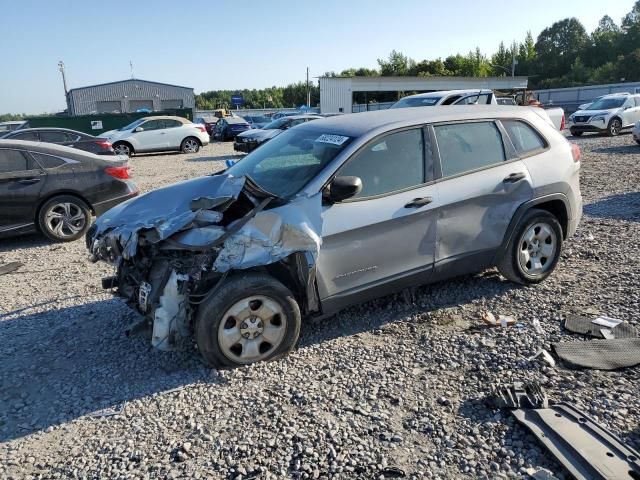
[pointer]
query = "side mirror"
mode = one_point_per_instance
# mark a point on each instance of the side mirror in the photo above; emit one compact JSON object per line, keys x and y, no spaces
{"x":342,"y":188}
{"x":138,"y":129}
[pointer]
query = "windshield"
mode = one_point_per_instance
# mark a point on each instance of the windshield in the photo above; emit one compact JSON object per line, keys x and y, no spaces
{"x":132,"y":125}
{"x":277,"y":124}
{"x":607,"y":103}
{"x":285,"y":164}
{"x":416,"y":102}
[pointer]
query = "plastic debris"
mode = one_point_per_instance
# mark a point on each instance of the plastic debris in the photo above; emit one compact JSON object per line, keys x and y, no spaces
{"x":537,"y":326}
{"x":546,"y":356}
{"x":10,"y":267}
{"x":501,"y":321}
{"x":607,"y":322}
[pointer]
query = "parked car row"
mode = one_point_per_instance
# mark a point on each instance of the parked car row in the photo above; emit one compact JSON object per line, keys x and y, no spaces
{"x":251,"y":139}
{"x":62,"y":136}
{"x":610,"y":114}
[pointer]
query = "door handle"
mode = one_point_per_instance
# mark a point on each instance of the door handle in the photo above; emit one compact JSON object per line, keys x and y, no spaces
{"x":28,"y":181}
{"x":514,"y":177}
{"x":419,"y":202}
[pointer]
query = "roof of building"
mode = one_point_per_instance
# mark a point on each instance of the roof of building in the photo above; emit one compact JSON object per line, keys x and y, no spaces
{"x":357,"y":124}
{"x":130,"y":80}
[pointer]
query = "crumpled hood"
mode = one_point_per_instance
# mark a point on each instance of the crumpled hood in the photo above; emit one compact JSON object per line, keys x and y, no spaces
{"x":196,"y":215}
{"x":260,"y":135}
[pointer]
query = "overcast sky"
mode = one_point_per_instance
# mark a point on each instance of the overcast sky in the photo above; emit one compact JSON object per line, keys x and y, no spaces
{"x":228,"y":44}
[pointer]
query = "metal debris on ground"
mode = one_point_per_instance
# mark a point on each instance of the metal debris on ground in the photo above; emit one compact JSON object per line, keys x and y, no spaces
{"x":597,"y":328}
{"x":108,"y":412}
{"x":501,"y":321}
{"x":10,"y":267}
{"x":537,"y":327}
{"x":600,"y":354}
{"x":518,"y":395}
{"x":607,"y":322}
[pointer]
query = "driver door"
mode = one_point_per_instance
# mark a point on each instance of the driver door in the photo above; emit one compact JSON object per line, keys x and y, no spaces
{"x":387,"y":232}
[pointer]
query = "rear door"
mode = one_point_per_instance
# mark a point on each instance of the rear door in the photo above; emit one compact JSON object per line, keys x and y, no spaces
{"x":21,"y":181}
{"x":173,"y":133}
{"x":483,"y":183}
{"x":387,"y":232}
{"x":632,"y":112}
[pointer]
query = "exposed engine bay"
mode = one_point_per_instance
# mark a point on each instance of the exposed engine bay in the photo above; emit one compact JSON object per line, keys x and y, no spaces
{"x":173,"y":247}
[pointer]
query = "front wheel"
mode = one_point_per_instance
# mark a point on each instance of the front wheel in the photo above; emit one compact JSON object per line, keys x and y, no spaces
{"x":64,"y":218}
{"x":534,"y":250}
{"x":190,"y":145}
{"x":252,"y":318}
{"x":614,"y":128}
{"x":576,"y":134}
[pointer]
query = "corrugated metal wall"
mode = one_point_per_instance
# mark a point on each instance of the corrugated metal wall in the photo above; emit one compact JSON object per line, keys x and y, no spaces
{"x":83,"y":101}
{"x":336,"y":93}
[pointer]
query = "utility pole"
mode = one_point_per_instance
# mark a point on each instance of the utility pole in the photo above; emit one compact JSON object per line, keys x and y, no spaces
{"x":308,"y":91}
{"x":131,"y":65}
{"x":64,"y":83}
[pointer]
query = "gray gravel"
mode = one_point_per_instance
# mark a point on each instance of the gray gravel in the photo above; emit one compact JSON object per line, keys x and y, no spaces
{"x":397,"y":382}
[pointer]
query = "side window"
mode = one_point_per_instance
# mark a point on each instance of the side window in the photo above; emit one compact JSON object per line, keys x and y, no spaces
{"x":53,"y":136}
{"x":32,"y":136}
{"x":171,"y":124}
{"x":523,"y":137}
{"x":297,"y":122}
{"x":389,"y":164}
{"x":48,"y":161}
{"x":637,"y":100}
{"x":14,"y":161}
{"x":152,"y":125}
{"x":468,"y":146}
{"x":474,"y":99}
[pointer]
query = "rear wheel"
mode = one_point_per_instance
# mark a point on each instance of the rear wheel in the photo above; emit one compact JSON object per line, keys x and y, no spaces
{"x":614,"y":128}
{"x":190,"y":145}
{"x":534,"y":250}
{"x":122,"y":149}
{"x":252,"y":318}
{"x":64,"y":218}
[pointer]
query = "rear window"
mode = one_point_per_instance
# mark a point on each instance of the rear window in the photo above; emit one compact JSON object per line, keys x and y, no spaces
{"x":48,"y":161}
{"x":524,"y":138}
{"x":14,"y":161}
{"x":31,"y":136}
{"x":53,"y":137}
{"x":468,"y":146}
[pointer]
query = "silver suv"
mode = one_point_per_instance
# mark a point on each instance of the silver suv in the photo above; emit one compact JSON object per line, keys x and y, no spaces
{"x":337,"y":211}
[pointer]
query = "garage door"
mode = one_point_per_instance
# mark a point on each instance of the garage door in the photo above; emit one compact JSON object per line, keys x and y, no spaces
{"x":108,"y":107}
{"x":169,"y":104}
{"x":138,"y":104}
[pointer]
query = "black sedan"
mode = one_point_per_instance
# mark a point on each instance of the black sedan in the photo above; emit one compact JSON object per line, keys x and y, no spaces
{"x":252,"y":139}
{"x":56,"y":189}
{"x":227,"y":128}
{"x":63,"y":136}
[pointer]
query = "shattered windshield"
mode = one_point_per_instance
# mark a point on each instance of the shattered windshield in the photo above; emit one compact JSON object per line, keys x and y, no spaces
{"x":285,"y":164}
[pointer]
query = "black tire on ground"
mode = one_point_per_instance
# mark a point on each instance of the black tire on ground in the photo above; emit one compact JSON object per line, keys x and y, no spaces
{"x":123,"y":148}
{"x":576,"y":133}
{"x":236,"y":288}
{"x":614,"y":127}
{"x":190,"y":145}
{"x":510,"y":265}
{"x":638,"y":142}
{"x":64,"y":218}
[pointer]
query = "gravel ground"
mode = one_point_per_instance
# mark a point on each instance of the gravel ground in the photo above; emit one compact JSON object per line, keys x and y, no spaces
{"x":397,"y":382}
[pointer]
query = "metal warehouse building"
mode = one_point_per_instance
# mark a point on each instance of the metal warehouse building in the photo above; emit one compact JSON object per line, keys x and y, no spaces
{"x":128,"y":96}
{"x":336,"y":93}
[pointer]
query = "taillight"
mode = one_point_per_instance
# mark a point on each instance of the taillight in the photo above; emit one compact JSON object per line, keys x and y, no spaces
{"x":104,"y":144}
{"x":122,"y":172}
{"x":562,"y":124}
{"x":201,"y":128}
{"x":575,"y":151}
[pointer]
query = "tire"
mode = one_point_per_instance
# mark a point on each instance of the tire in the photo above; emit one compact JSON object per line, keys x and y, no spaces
{"x":576,"y":134}
{"x":536,"y":227}
{"x":614,"y":128}
{"x":123,"y":148}
{"x":190,"y":145}
{"x":638,"y":142}
{"x":64,"y":218}
{"x":220,"y":332}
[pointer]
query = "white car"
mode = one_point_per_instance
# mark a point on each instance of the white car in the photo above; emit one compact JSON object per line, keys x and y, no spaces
{"x":636,"y":132}
{"x":156,"y":134}
{"x":609,"y":115}
{"x":449,"y":97}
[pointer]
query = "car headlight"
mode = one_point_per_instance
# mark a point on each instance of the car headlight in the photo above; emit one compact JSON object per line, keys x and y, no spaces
{"x":597,"y":118}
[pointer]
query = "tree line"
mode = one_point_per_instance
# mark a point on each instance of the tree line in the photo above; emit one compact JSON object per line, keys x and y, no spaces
{"x":563,"y":55}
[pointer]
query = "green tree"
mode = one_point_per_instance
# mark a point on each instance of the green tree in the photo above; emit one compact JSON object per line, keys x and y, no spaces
{"x":502,"y":58}
{"x":605,"y":42}
{"x":631,"y":30}
{"x":559,"y":45}
{"x":397,"y":64}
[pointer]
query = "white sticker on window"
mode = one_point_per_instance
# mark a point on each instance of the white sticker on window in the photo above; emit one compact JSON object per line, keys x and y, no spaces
{"x":332,"y":139}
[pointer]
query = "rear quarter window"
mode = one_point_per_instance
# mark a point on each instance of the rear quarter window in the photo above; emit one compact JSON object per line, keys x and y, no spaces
{"x":48,"y":161}
{"x":524,"y":138}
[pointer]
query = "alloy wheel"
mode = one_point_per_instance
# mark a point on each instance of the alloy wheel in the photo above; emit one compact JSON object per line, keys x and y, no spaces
{"x":190,"y":146}
{"x":122,"y":149}
{"x":65,"y":219}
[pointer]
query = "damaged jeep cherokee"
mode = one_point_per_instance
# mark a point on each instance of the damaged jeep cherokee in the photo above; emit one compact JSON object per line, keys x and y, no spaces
{"x":336,"y":212}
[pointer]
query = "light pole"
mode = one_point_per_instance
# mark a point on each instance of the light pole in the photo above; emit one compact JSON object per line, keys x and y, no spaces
{"x":64,"y":83}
